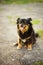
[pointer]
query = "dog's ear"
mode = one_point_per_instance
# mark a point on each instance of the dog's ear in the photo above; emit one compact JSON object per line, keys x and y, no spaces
{"x":29,"y":19}
{"x":18,"y":20}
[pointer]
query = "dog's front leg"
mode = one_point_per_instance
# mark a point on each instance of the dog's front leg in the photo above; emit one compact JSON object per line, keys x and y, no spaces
{"x":30,"y":46}
{"x":19,"y":44}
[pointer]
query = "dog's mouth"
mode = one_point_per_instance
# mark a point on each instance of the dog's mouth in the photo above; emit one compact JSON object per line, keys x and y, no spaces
{"x":24,"y":28}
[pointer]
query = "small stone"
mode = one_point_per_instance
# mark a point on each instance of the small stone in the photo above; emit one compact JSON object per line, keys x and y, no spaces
{"x":12,"y":59}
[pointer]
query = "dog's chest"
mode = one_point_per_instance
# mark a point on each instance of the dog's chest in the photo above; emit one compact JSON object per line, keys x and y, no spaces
{"x":24,"y":40}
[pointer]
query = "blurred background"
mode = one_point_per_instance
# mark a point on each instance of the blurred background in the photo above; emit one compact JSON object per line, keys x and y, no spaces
{"x":20,"y":1}
{"x":10,"y":10}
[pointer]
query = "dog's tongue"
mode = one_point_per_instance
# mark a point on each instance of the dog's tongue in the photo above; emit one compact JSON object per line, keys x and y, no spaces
{"x":21,"y":29}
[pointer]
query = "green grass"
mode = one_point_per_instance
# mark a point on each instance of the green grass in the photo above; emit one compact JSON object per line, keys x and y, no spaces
{"x":1,"y":9}
{"x":17,"y":17}
{"x":20,"y":1}
{"x":38,"y":63}
{"x":33,"y":22}
{"x":36,"y":21}
{"x":9,"y":17}
{"x":11,"y":20}
{"x":40,"y":32}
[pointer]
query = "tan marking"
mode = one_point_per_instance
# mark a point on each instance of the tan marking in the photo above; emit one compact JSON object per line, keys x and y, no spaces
{"x":19,"y":46}
{"x":30,"y":46}
{"x":28,"y":38}
{"x":23,"y":29}
{"x":19,"y":43}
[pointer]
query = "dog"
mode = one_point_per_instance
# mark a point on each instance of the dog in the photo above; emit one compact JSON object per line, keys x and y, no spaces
{"x":26,"y":34}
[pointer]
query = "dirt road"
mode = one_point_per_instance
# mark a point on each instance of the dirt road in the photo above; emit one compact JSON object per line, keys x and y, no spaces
{"x":9,"y":55}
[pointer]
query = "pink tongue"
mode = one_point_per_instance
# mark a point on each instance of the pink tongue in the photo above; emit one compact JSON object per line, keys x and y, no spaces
{"x":21,"y":29}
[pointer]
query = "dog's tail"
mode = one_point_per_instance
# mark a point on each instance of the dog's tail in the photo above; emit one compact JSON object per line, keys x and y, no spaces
{"x":36,"y":35}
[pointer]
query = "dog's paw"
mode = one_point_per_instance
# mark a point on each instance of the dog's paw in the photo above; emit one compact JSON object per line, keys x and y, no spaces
{"x":30,"y":47}
{"x":18,"y":47}
{"x":14,"y":44}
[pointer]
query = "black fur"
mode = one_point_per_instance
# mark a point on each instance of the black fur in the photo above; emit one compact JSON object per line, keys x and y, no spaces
{"x":26,"y":34}
{"x":29,"y":32}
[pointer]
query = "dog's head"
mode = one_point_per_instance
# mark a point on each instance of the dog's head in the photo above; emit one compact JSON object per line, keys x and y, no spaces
{"x":24,"y":24}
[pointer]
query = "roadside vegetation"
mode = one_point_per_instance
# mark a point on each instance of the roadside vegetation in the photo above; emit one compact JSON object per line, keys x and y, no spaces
{"x":38,"y":63}
{"x":36,"y":21}
{"x":40,"y":32}
{"x":19,"y":1}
